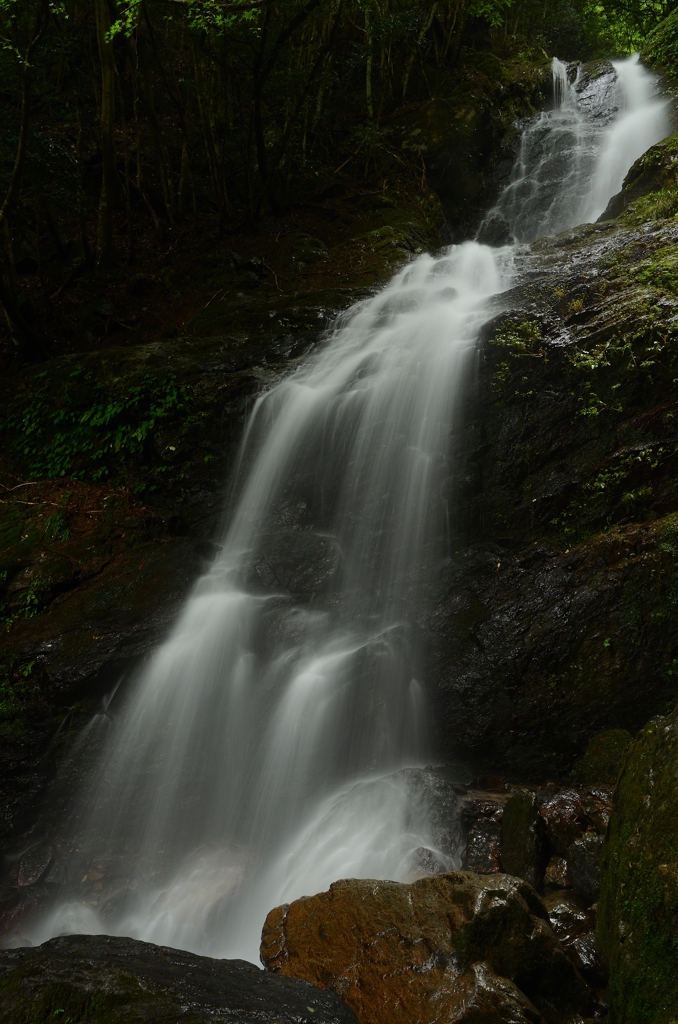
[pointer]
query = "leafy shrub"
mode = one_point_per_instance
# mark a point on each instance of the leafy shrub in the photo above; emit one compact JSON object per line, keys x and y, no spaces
{"x":92,"y":428}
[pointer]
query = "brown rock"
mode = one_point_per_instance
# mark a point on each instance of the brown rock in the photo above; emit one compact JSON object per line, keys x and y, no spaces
{"x":555,"y":876}
{"x":483,"y":997}
{"x":456,"y":948}
{"x":565,"y":819}
{"x":483,"y":847}
{"x":568,"y":916}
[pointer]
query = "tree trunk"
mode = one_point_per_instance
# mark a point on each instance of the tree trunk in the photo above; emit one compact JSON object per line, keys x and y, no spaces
{"x":416,"y":49}
{"x":368,"y":67}
{"x":107,"y":124}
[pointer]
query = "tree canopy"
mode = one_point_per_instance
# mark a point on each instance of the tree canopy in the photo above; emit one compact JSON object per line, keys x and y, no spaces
{"x":120,"y":113}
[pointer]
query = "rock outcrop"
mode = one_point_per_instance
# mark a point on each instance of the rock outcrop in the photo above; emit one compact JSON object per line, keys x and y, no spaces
{"x":101,"y":979}
{"x":638,"y":907}
{"x":455,"y":947}
{"x":557,"y":594}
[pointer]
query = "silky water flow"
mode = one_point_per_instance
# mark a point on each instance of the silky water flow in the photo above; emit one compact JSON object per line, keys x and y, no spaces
{"x":257,"y":757}
{"x":573,"y":158}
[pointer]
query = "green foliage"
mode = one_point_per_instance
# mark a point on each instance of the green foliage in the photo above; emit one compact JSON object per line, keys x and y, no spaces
{"x":127,"y":20}
{"x":93,"y":429}
{"x":610,"y":486}
{"x":214,"y":14}
{"x":628,"y":22}
{"x":657,"y":205}
{"x":492,"y":11}
{"x":660,"y":49}
{"x":518,"y":337}
{"x":501,"y":378}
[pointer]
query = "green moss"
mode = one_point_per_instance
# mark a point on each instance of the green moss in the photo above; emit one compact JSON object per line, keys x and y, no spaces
{"x":638,"y":908}
{"x":656,"y":205}
{"x":519,"y":337}
{"x":61,"y":1003}
{"x":661,"y":48}
{"x":604,"y":755}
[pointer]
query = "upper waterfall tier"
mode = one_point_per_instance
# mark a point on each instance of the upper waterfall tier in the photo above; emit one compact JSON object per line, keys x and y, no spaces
{"x":573,"y":158}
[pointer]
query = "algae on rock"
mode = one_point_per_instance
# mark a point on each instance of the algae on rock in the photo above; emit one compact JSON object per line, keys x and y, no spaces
{"x":638,"y":908}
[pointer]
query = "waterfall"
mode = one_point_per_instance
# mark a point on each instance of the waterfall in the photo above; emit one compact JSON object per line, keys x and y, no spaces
{"x":573,"y":158}
{"x":644,"y":121}
{"x":258,"y":756}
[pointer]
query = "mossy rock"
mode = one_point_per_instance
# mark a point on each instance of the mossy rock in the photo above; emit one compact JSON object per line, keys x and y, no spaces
{"x":107,"y":980}
{"x":523,"y":842}
{"x":604,"y":757}
{"x":638,"y":908}
{"x":661,"y":47}
{"x":650,"y":188}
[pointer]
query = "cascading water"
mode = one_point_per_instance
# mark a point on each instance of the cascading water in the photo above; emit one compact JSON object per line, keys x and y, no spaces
{"x":258,"y":756}
{"x":292,"y":673}
{"x":573,"y":158}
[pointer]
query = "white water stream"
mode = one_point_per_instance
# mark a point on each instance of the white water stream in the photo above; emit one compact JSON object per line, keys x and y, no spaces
{"x":253,"y":762}
{"x":573,"y":158}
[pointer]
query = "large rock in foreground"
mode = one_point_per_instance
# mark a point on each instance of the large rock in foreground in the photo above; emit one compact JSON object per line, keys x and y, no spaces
{"x":98,"y":978}
{"x":452,"y":949}
{"x":638,"y":907}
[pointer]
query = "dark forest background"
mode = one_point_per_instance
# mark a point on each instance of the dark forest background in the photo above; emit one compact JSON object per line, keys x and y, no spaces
{"x":131,"y":129}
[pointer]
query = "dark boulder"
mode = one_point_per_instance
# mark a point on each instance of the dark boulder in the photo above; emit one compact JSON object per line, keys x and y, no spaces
{"x":523,"y":843}
{"x":483,"y":847}
{"x":604,"y":757}
{"x":583,"y":866}
{"x":564,"y":818}
{"x":120,"y":981}
{"x":568,"y":916}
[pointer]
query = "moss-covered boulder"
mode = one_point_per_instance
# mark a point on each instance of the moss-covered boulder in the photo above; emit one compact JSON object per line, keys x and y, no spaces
{"x":650,"y":189}
{"x":107,"y":980}
{"x":523,"y":840}
{"x":638,"y":907}
{"x":604,"y":757}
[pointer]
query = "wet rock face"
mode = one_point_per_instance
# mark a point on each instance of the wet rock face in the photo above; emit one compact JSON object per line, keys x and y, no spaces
{"x":638,"y":906}
{"x":550,"y":836}
{"x":574,"y":926}
{"x":552,"y":603}
{"x":455,"y":947}
{"x":583,"y":866}
{"x":103,"y":979}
